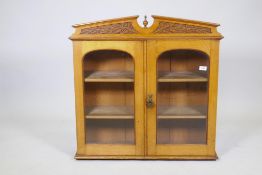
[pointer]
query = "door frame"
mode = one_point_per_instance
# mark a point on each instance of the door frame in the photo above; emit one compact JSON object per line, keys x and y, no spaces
{"x":136,"y":50}
{"x":154,"y":49}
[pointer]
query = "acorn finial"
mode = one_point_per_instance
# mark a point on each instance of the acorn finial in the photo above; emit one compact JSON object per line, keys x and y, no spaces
{"x":145,"y":22}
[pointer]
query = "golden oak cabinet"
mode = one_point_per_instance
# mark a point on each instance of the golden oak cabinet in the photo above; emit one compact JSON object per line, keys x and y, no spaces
{"x":146,"y":93}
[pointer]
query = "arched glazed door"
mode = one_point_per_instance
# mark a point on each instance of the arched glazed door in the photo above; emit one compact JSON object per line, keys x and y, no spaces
{"x":178,"y":99}
{"x":112,"y":122}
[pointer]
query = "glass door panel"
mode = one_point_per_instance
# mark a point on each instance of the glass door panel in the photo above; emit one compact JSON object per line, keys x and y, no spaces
{"x":182,"y":97}
{"x":109,"y":97}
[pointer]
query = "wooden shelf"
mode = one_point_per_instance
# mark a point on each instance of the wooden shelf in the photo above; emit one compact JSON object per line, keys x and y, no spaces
{"x":109,"y":112}
{"x":109,"y":76}
{"x":182,"y":112}
{"x":181,"y":77}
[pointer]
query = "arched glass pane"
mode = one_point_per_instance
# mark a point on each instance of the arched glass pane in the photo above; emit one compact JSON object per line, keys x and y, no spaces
{"x":109,"y":97}
{"x":182,"y":97}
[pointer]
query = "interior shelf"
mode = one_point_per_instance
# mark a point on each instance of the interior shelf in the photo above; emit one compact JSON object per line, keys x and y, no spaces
{"x":109,"y":112}
{"x":109,"y":76}
{"x":182,"y":112}
{"x":181,"y":77}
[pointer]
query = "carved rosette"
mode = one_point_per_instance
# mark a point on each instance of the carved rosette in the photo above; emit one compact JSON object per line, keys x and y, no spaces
{"x":117,"y":28}
{"x":170,"y":27}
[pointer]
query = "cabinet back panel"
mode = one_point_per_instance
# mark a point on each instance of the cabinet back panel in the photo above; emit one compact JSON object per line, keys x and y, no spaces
{"x":112,"y":94}
{"x":182,"y":94}
{"x":181,"y":131}
{"x":110,"y":131}
{"x":182,"y":61}
{"x":108,"y":60}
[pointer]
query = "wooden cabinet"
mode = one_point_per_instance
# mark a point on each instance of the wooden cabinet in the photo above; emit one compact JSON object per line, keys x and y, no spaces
{"x":146,"y":93}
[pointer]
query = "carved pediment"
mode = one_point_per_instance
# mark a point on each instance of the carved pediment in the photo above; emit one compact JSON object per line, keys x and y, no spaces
{"x":170,"y":27}
{"x":128,"y":28}
{"x":117,"y":28}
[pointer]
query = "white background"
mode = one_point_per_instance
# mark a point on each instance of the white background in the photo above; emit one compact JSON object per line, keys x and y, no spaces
{"x":37,"y":119}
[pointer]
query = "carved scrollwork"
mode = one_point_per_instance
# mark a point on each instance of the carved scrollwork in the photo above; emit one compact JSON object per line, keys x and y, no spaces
{"x":170,"y":27}
{"x":117,"y":28}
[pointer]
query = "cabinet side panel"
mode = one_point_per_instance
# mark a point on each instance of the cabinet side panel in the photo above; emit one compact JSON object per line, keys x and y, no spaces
{"x":79,"y":101}
{"x":212,"y":101}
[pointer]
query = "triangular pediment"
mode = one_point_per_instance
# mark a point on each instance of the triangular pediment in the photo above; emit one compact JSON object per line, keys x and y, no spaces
{"x":128,"y":27}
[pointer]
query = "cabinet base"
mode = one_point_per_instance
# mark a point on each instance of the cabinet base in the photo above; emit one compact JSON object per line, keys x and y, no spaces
{"x":84,"y":157}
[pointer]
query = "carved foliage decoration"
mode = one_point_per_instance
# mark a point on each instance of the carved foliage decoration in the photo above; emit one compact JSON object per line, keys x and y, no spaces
{"x":169,"y":27}
{"x":117,"y":28}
